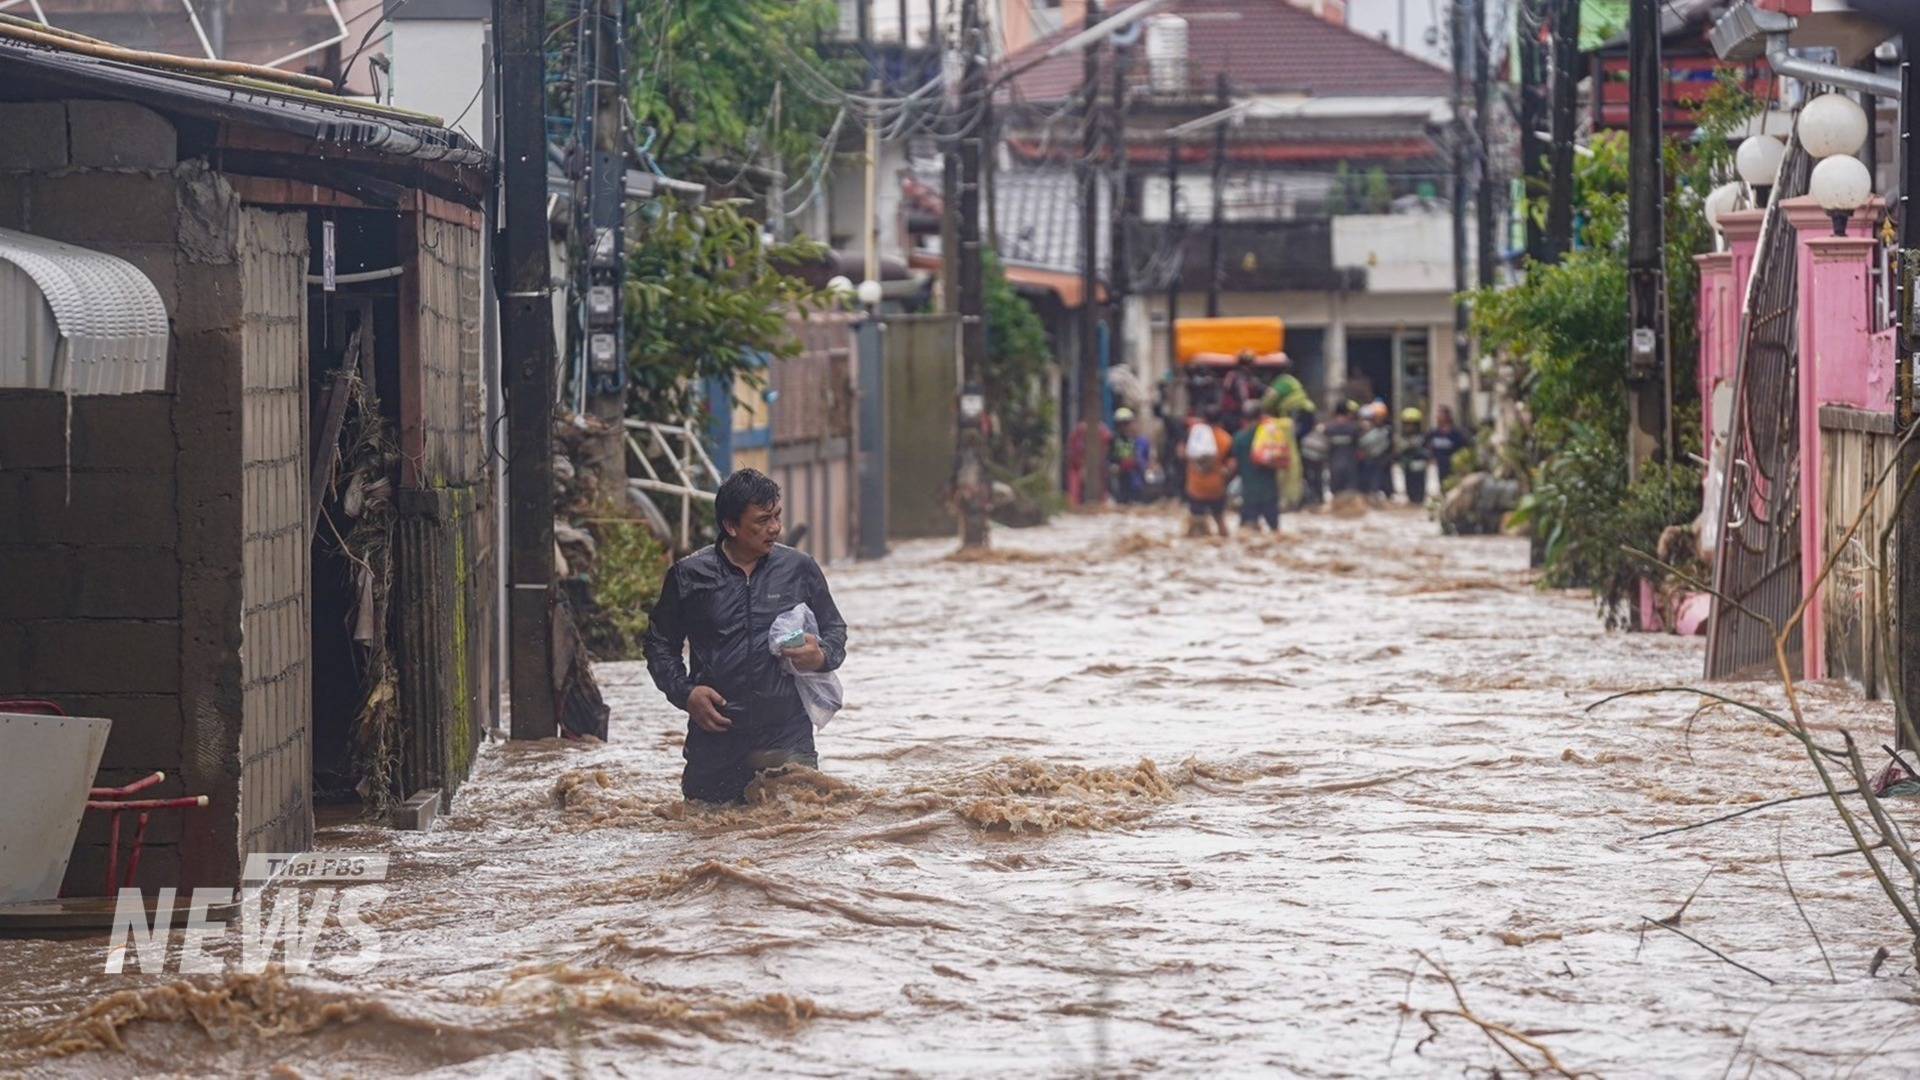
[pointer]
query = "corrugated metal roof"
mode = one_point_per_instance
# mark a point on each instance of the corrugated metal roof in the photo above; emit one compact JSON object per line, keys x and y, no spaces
{"x":77,"y":320}
{"x":1263,"y":46}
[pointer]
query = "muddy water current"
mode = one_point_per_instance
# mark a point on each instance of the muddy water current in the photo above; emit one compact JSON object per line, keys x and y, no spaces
{"x":1107,"y":802}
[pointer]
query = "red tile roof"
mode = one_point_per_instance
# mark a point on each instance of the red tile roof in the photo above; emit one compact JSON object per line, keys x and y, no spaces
{"x":1264,"y":46}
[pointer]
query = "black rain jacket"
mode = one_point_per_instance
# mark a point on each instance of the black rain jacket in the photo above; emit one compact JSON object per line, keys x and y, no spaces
{"x":723,"y":616}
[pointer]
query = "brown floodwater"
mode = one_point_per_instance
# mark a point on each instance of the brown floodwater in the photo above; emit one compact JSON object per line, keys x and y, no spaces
{"x":1105,"y":802}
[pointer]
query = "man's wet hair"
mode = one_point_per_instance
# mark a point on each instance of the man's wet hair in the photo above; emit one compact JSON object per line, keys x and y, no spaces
{"x":746,"y":487}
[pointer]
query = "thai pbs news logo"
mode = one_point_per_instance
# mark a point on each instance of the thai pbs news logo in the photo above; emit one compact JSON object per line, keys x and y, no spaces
{"x":286,"y":906}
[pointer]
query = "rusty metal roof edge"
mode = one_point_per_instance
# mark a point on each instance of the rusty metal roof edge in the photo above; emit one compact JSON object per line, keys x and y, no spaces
{"x":344,"y":124}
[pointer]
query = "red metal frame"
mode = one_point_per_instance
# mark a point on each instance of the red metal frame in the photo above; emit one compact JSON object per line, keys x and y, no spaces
{"x":114,"y":800}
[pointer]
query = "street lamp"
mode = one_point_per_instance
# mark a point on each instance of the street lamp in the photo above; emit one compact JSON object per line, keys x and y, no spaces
{"x":1721,"y":201}
{"x":840,"y":287}
{"x":869,"y":293}
{"x":1841,"y":185}
{"x":1832,"y":124}
{"x":1758,"y":163}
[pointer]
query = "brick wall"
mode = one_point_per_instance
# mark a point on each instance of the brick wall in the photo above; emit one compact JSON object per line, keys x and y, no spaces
{"x":445,"y":573}
{"x":449,"y":321}
{"x":276,"y":757}
{"x":123,"y":600}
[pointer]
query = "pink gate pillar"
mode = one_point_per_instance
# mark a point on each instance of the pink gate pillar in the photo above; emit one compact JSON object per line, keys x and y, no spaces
{"x":1836,"y":366}
{"x":1723,"y":298}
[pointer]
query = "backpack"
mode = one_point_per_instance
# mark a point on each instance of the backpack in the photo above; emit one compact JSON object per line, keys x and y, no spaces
{"x":1272,"y":449}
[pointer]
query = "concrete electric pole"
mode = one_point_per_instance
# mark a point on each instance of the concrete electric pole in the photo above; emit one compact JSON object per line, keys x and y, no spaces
{"x":1649,"y":393}
{"x":526,"y":338}
{"x":1093,"y":458}
{"x":1566,"y":100}
{"x":972,"y":486}
{"x":599,"y":106}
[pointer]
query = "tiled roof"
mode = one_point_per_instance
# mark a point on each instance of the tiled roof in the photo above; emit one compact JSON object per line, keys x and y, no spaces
{"x":1039,"y":219}
{"x":1264,"y":47}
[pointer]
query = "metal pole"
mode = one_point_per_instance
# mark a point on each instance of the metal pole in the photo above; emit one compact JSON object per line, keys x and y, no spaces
{"x":870,"y":221}
{"x":972,"y":484}
{"x":1121,"y":272}
{"x":1566,"y":82}
{"x":1646,"y":243}
{"x":1484,"y":212}
{"x":1907,"y":556}
{"x":1093,"y":460}
{"x":777,"y":189}
{"x":1215,"y":259}
{"x":1462,"y":67}
{"x":1533,"y":118}
{"x":526,"y":332}
{"x":1176,"y":236}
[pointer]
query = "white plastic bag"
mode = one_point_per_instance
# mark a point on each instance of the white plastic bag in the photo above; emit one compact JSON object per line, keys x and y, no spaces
{"x":1201,"y":442}
{"x":819,"y":690}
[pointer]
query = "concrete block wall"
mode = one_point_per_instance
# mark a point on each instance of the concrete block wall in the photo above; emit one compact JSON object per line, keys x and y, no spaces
{"x":124,"y":599}
{"x":276,"y":756}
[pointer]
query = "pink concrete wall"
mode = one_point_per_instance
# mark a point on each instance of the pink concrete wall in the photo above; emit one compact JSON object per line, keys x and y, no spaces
{"x":1837,"y":353}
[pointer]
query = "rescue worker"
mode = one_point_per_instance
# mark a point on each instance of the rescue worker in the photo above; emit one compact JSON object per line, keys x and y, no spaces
{"x":1259,"y":481}
{"x":1376,"y":452}
{"x":1414,"y":456}
{"x":744,"y":715}
{"x":1343,"y":449}
{"x":1444,"y":441}
{"x":1208,"y":456}
{"x":1304,"y":481}
{"x":1131,"y":453}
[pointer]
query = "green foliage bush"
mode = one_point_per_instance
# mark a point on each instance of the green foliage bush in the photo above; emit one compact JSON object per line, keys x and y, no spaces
{"x":629,"y":566}
{"x":1566,"y":324}
{"x":703,"y":292}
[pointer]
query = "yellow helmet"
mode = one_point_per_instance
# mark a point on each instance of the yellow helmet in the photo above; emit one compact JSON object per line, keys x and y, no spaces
{"x":1410,"y":415}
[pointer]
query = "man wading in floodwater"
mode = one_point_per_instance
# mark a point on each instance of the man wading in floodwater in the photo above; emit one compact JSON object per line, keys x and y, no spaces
{"x":744,"y":715}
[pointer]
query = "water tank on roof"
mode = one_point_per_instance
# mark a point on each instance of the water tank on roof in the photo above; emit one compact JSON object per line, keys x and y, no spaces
{"x":1167,"y":54}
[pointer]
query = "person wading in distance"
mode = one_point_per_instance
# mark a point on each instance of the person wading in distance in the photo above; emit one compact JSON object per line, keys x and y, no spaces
{"x":744,"y":714}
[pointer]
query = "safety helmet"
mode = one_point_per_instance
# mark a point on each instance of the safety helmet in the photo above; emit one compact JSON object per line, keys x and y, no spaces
{"x":1122,"y":414}
{"x":1410,"y":415}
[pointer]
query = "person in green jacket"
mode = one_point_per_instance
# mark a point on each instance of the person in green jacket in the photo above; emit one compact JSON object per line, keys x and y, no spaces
{"x":1259,"y":484}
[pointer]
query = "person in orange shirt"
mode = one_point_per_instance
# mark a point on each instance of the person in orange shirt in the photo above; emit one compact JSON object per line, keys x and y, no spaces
{"x":1208,"y":453}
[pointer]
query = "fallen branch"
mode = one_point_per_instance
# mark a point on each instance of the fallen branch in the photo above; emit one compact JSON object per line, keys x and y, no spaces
{"x":1737,"y":813}
{"x":1497,"y":1034}
{"x":1723,"y":956}
{"x":1780,"y":854}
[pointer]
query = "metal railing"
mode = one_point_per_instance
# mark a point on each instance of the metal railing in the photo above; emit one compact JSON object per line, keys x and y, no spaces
{"x":691,"y":473}
{"x":1757,"y":567}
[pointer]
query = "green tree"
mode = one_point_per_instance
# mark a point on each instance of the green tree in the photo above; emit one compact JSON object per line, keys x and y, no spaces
{"x":703,"y":292}
{"x":1566,"y":324}
{"x":1379,"y":196}
{"x":1017,"y":357}
{"x":704,"y":79}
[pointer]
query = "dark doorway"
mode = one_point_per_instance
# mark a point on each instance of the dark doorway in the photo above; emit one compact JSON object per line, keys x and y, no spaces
{"x":353,"y":364}
{"x":1370,"y":368}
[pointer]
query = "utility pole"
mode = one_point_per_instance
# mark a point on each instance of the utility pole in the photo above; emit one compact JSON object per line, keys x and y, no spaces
{"x":1216,"y":261}
{"x":1177,"y":236}
{"x":526,"y":336}
{"x":1093,"y":459}
{"x":1488,"y":255}
{"x":971,"y":484}
{"x":1533,"y":119}
{"x":1124,"y":211}
{"x":599,"y":217}
{"x":1906,"y":410}
{"x":1648,"y":390}
{"x":1566,"y":82}
{"x":1462,"y":66}
{"x":870,"y":221}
